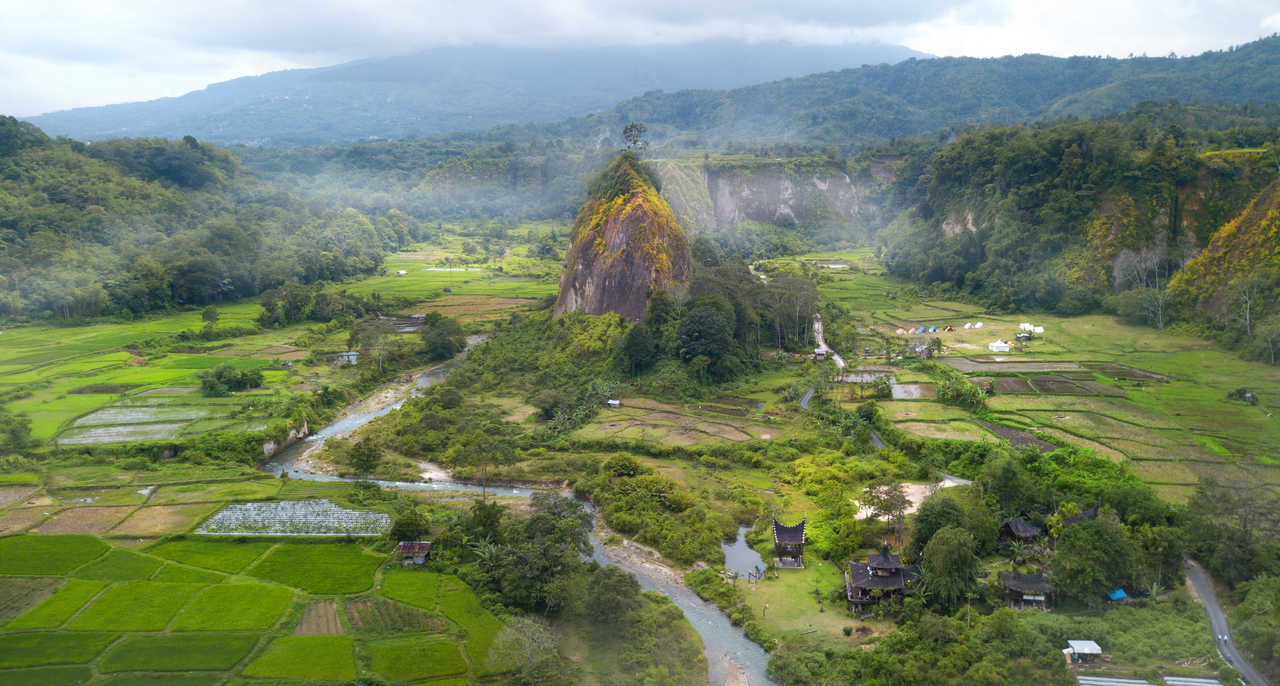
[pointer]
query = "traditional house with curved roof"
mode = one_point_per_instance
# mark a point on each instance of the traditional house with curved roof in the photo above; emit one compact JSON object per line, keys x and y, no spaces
{"x":788,"y":545}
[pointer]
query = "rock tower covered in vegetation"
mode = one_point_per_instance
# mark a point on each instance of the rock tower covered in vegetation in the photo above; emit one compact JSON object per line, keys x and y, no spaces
{"x":626,"y":243}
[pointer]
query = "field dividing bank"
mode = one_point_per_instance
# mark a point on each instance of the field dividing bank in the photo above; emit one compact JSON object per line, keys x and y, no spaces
{"x":1156,"y":400}
{"x":226,"y":629}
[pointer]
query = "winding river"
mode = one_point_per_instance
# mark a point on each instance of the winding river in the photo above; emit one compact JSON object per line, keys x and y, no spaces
{"x":732,"y":659}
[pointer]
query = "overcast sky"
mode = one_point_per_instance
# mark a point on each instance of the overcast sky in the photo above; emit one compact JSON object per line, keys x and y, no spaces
{"x":57,"y":54}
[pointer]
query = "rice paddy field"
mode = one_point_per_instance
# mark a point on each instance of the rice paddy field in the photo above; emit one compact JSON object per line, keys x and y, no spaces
{"x":81,"y":609}
{"x":121,"y":381}
{"x":1156,"y":400}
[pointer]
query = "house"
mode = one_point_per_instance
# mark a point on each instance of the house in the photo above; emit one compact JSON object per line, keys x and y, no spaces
{"x":1026,"y":590}
{"x":998,"y":346}
{"x":882,"y":576}
{"x":819,"y":354}
{"x":1021,"y":529}
{"x":1081,"y":651}
{"x":413,"y":552}
{"x":614,"y":404}
{"x":788,"y":545}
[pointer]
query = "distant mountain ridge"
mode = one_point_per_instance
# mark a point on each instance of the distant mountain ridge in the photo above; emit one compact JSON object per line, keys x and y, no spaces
{"x":914,"y":97}
{"x":451,"y":89}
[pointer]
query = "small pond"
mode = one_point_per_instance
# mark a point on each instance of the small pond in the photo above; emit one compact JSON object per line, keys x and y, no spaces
{"x":740,"y":557}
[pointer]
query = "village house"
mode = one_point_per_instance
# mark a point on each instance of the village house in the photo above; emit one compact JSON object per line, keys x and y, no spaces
{"x":882,"y":576}
{"x":788,"y":545}
{"x":1023,"y":591}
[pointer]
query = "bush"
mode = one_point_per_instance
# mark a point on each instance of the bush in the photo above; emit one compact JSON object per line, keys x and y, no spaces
{"x":225,"y":379}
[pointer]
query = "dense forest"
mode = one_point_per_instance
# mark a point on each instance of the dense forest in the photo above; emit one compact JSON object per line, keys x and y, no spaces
{"x":130,"y":226}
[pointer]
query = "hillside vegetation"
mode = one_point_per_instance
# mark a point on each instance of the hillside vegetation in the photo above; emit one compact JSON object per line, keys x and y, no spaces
{"x":130,"y":226}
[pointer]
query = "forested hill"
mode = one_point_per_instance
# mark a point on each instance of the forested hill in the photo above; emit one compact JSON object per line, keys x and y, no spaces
{"x":130,"y":226}
{"x":454,"y":88}
{"x":921,"y":96}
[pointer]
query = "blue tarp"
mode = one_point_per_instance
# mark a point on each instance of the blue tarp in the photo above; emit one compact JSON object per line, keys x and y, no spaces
{"x":1117,"y":594}
{"x":933,"y":329}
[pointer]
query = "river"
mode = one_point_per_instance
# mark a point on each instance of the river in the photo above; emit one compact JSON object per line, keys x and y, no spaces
{"x":732,"y":658}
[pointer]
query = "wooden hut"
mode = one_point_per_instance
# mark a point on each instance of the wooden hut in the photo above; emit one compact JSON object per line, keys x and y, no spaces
{"x":413,"y":552}
{"x":1026,"y":590}
{"x":1020,"y":529}
{"x":882,"y":576}
{"x":788,"y":545}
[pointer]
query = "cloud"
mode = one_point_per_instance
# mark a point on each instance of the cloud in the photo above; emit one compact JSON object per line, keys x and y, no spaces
{"x":63,"y":53}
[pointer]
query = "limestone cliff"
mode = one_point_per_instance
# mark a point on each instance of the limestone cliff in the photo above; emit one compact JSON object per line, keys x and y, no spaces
{"x":626,"y":241}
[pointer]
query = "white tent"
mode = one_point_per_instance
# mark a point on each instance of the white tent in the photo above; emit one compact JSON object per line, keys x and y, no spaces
{"x":1039,"y":329}
{"x":968,"y":325}
{"x":978,"y":325}
{"x":998,"y":346}
{"x":1026,"y":327}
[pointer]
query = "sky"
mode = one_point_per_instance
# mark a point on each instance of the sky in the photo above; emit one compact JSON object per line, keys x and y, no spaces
{"x":58,"y":54}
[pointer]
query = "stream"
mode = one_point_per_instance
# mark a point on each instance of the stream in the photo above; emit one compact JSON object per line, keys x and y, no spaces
{"x":732,"y":658}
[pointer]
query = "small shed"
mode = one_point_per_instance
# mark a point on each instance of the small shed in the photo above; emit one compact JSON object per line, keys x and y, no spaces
{"x":413,"y":552}
{"x":998,"y":346}
{"x":613,"y":403}
{"x":1082,"y":651}
{"x":819,"y":354}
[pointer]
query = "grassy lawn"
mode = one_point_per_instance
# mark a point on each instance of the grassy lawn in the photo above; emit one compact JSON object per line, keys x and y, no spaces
{"x":47,"y":554}
{"x":223,"y":556}
{"x":319,"y":568}
{"x":135,"y":606}
{"x":793,"y":608}
{"x":309,"y":658}
{"x":415,"y":587}
{"x":59,"y":607}
{"x":178,"y":653}
{"x":179,"y":574}
{"x":414,"y":659}
{"x":48,"y":676}
{"x":234,"y":607}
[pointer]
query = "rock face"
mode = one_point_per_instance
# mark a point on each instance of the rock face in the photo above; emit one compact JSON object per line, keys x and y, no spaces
{"x":626,"y":242}
{"x":716,"y":198}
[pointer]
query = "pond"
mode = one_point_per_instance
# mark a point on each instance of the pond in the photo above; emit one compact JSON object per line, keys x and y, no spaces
{"x":740,"y":557}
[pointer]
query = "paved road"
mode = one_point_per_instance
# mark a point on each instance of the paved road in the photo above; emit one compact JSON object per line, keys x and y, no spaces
{"x":1221,"y":630}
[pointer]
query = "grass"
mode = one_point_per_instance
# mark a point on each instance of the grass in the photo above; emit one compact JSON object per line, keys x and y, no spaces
{"x":178,"y":653}
{"x":120,"y":565}
{"x":319,"y":568}
{"x":307,"y":658}
{"x":464,"y":608}
{"x":19,"y":594}
{"x":414,"y":659}
{"x":48,"y":676}
{"x":47,"y":555}
{"x":415,"y":587}
{"x":48,"y":648}
{"x":217,"y":492}
{"x":234,"y":607}
{"x":223,"y":556}
{"x":159,"y":520}
{"x":135,"y":606}
{"x":164,"y":680}
{"x":59,"y":607}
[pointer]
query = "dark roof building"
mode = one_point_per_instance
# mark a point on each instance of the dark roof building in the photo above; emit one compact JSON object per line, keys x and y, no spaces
{"x":882,"y":576}
{"x":1020,"y":528}
{"x":788,"y":544}
{"x":416,"y":552}
{"x":1026,"y":590}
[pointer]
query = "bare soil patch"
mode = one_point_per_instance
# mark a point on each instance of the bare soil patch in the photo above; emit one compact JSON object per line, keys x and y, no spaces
{"x":319,"y":619}
{"x":914,"y":391}
{"x":1055,"y":384}
{"x":1017,"y":437}
{"x":17,"y":521}
{"x":1012,"y":384}
{"x":14,"y":494}
{"x":974,"y":364}
{"x":85,"y":520}
{"x":19,"y":594}
{"x":1124,"y":371}
{"x":163,"y":519}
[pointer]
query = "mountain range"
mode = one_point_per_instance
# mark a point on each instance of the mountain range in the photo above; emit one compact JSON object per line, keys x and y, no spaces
{"x":451,"y":89}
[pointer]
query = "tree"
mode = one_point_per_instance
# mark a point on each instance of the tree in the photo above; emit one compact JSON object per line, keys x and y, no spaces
{"x":949,"y":569}
{"x":1093,"y":556}
{"x":704,"y":331}
{"x":15,"y":432}
{"x":887,"y":499}
{"x":365,"y":458}
{"x":639,"y":349}
{"x":529,"y":649}
{"x":937,"y":512}
{"x":374,"y":339}
{"x":409,"y":525}
{"x":442,"y":337}
{"x":612,"y":594}
{"x":633,"y":134}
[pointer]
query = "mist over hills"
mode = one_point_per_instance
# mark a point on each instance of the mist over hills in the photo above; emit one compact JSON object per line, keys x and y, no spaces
{"x":450,"y":89}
